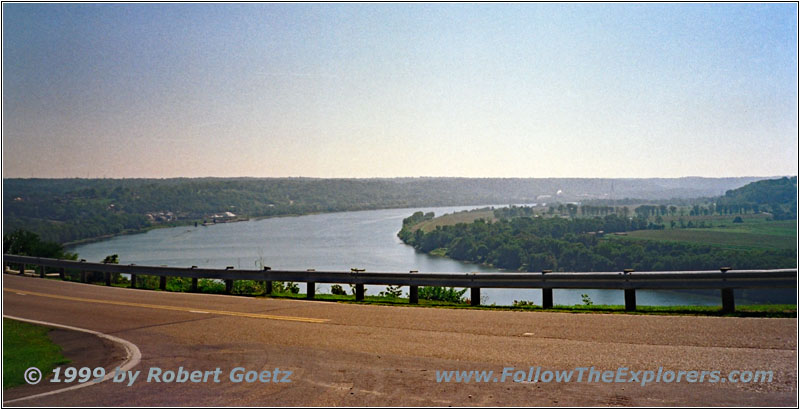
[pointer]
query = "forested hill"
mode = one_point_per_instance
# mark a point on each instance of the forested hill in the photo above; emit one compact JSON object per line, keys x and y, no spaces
{"x":66,"y":210}
{"x":777,"y":196}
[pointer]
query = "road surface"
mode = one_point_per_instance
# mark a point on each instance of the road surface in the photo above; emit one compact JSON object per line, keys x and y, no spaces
{"x":360,"y":355}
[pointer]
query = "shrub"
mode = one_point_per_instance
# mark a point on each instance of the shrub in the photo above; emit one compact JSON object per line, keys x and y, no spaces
{"x":247,"y":287}
{"x":210,"y":286}
{"x":175,"y":284}
{"x":442,"y":294}
{"x":147,"y":282}
{"x":392,"y":291}
{"x":285,"y":287}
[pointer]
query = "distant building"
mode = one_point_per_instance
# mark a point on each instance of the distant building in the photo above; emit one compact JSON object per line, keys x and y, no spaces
{"x":223,"y":216}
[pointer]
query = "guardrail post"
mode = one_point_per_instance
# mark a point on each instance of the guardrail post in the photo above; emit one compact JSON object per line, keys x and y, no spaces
{"x":194,"y":280}
{"x":22,"y":269}
{"x":42,"y":272}
{"x":193,"y":289}
{"x":547,"y":294}
{"x":62,"y":273}
{"x":728,"y":304}
{"x":83,"y":273}
{"x":162,"y":282}
{"x":630,"y":299}
{"x":267,"y":283}
{"x":311,"y":288}
{"x":359,"y":291}
{"x":630,"y":294}
{"x":133,"y":281}
{"x":107,"y":276}
{"x":413,"y":291}
{"x":228,"y":282}
{"x":475,"y":296}
{"x":547,"y":298}
{"x":413,"y":294}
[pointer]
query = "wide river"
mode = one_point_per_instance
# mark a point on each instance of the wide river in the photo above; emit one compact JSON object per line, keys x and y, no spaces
{"x":336,"y":241}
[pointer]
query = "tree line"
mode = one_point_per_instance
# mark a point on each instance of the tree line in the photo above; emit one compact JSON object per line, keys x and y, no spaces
{"x":66,"y":210}
{"x":534,"y":244}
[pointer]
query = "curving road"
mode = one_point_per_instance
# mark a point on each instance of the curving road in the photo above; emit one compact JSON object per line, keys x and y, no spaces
{"x":359,"y":355}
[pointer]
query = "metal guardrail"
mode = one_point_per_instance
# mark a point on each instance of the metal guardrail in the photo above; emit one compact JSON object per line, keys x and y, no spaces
{"x":724,"y":279}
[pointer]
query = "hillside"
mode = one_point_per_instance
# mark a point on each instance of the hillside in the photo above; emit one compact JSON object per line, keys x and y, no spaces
{"x":777,"y":196}
{"x":65,"y":210}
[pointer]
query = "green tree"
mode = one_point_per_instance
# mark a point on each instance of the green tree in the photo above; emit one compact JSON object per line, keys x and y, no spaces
{"x":25,"y":243}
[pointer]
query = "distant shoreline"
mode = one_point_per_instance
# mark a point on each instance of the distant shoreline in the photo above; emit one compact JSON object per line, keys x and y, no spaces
{"x":72,"y":244}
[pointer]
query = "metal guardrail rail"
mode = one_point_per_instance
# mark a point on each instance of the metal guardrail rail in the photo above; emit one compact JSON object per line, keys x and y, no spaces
{"x":724,"y":279}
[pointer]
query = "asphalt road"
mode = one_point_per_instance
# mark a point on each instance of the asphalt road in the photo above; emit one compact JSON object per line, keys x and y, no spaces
{"x":359,"y":355}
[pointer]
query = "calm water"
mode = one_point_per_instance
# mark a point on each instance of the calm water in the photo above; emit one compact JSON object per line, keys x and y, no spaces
{"x":336,"y":241}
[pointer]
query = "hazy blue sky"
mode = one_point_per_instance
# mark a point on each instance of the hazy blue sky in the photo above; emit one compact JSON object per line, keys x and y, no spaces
{"x":380,"y":90}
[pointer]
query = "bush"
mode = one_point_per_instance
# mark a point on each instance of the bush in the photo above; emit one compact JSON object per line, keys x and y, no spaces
{"x":247,"y":287}
{"x":210,"y":286}
{"x":442,"y":294}
{"x":285,"y":287}
{"x":392,"y":291}
{"x":176,"y":284}
{"x":338,"y":290}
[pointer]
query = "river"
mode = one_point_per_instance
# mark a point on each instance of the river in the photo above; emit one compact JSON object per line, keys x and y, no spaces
{"x":338,"y":241}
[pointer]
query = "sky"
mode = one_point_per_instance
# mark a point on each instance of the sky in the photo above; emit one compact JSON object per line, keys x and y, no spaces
{"x":386,"y":90}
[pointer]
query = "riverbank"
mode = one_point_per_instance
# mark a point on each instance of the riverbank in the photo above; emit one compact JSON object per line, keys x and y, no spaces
{"x":179,"y":223}
{"x":72,"y":244}
{"x":198,"y":223}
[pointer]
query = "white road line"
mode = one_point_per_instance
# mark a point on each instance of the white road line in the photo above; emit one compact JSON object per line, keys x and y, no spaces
{"x":133,"y":356}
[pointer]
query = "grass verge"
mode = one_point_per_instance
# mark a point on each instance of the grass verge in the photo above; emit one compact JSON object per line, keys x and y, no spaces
{"x":26,"y":345}
{"x":776,"y":311}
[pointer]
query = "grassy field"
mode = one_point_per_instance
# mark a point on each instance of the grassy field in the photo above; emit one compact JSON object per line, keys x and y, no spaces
{"x":455,"y":218}
{"x":26,"y":345}
{"x":754,"y":233}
